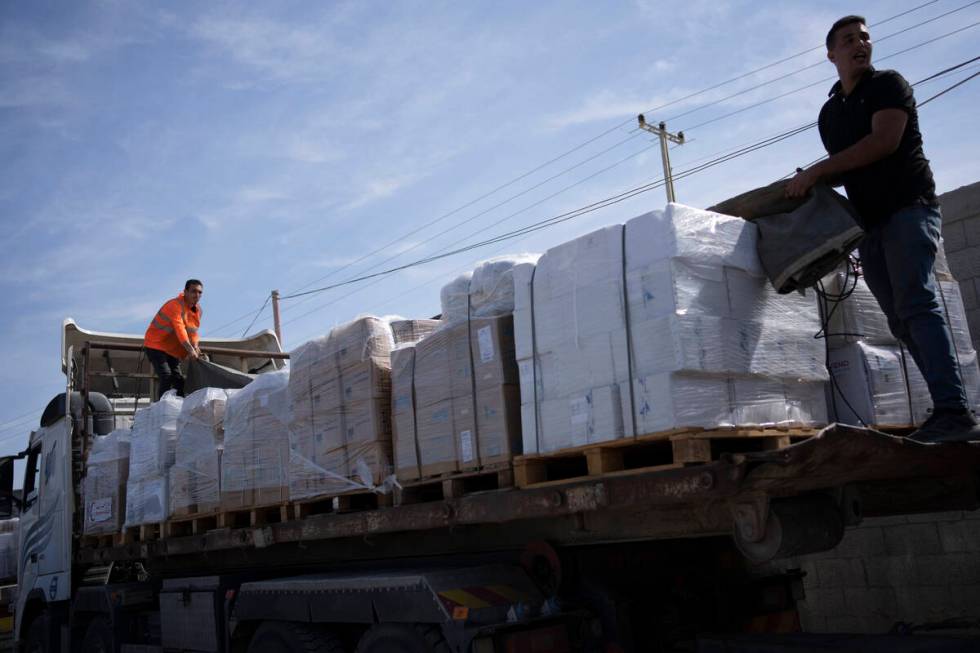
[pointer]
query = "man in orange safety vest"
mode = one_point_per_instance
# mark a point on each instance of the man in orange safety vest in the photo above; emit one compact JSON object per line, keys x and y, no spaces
{"x":172,"y":336}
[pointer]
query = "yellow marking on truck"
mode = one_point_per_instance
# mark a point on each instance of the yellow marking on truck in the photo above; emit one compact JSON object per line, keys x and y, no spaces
{"x":462,"y":597}
{"x":507,"y":592}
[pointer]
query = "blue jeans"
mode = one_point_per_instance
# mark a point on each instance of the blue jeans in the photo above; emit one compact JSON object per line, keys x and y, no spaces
{"x":897,"y":258}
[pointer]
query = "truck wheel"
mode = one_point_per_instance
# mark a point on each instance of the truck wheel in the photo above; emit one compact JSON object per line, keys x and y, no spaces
{"x":37,"y":636}
{"x":403,"y":638}
{"x":98,"y":637}
{"x":290,"y":637}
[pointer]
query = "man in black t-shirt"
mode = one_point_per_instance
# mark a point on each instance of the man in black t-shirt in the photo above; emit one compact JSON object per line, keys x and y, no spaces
{"x":870,"y":128}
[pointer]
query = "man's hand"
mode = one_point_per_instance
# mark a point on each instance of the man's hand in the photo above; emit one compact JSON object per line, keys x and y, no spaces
{"x":801,"y":184}
{"x":192,"y":351}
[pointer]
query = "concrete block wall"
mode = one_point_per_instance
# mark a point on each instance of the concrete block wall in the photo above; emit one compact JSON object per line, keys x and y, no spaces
{"x":916,"y":569}
{"x":961,"y":233}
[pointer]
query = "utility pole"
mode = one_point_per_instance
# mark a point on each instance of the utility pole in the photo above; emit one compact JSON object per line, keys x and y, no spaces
{"x":275,"y":316}
{"x":665,"y":136}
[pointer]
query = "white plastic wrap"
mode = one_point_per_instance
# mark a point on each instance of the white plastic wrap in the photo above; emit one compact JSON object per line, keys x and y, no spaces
{"x":875,"y":387}
{"x":340,"y":411}
{"x":698,"y":338}
{"x":491,"y":287}
{"x":9,"y":548}
{"x":454,"y":298}
{"x":153,"y":442}
{"x":104,"y":489}
{"x":256,"y":445}
{"x":195,"y":478}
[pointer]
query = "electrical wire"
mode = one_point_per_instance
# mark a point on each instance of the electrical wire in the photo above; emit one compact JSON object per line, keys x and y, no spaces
{"x":611,"y":130}
{"x":550,"y":161}
{"x":257,"y":314}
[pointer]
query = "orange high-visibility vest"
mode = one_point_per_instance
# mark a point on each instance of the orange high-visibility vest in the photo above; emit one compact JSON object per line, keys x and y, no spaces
{"x":175,"y":323}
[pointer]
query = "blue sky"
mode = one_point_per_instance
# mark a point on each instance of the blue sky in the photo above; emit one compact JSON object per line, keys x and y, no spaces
{"x":268,"y":145}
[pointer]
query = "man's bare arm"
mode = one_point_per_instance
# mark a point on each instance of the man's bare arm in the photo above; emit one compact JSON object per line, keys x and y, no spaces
{"x":887,"y":127}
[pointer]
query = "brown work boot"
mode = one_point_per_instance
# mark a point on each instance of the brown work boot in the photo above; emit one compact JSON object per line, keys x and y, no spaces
{"x":948,"y":426}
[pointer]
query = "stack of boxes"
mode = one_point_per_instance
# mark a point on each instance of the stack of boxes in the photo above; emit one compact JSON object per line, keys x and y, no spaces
{"x":104,"y":489}
{"x":195,"y":478}
{"x":340,"y":410}
{"x":665,"y":322}
{"x":456,"y":395}
{"x":875,"y":380}
{"x":152,"y":445}
{"x":256,"y":445}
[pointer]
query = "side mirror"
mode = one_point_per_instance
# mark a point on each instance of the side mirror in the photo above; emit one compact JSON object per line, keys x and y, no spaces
{"x":7,"y":498}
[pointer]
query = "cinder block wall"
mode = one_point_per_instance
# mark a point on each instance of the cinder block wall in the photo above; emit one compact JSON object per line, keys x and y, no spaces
{"x":961,"y":232}
{"x":917,"y":569}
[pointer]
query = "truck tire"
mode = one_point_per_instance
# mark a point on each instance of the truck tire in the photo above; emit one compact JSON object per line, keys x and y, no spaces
{"x":403,"y":638}
{"x":290,"y":637}
{"x":37,"y":636}
{"x":98,"y":637}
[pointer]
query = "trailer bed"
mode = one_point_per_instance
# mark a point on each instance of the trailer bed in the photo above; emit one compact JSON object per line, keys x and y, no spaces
{"x":873,"y":472}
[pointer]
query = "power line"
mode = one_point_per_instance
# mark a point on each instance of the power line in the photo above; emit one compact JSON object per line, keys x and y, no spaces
{"x":610,"y":200}
{"x":590,"y":141}
{"x":252,"y":323}
{"x":484,"y":212}
{"x":422,"y":243}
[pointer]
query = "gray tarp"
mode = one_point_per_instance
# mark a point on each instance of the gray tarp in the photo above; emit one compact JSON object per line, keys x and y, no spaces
{"x":800,"y":241}
{"x":205,"y":374}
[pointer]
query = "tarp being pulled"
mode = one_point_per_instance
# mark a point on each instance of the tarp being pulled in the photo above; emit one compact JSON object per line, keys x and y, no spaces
{"x":800,"y":240}
{"x":205,"y":374}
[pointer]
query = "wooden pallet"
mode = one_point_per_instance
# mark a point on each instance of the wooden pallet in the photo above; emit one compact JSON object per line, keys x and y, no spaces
{"x":663,"y":450}
{"x":184,"y":525}
{"x":455,"y":484}
{"x":253,"y":516}
{"x":141,"y":533}
{"x":345,"y":502}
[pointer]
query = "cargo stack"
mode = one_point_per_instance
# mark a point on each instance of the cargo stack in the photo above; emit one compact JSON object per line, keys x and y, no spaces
{"x":256,"y":445}
{"x":106,"y":476}
{"x":340,"y":410}
{"x":663,"y":323}
{"x":152,"y":445}
{"x":461,"y":381}
{"x":195,"y":478}
{"x":875,"y":380}
{"x":403,"y":416}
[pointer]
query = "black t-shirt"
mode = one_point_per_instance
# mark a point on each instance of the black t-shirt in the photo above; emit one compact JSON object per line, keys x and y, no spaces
{"x":902,"y":178}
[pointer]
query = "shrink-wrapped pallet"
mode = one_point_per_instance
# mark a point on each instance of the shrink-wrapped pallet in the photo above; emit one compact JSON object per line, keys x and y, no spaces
{"x":195,"y":478}
{"x":153,"y":443}
{"x":408,"y":332}
{"x":340,"y":410}
{"x":256,"y":444}
{"x":104,"y":489}
{"x":635,"y":328}
{"x":9,"y":548}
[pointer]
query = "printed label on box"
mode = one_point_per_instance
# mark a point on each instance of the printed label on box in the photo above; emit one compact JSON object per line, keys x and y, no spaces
{"x":485,"y":337}
{"x":100,"y":510}
{"x":466,"y":446}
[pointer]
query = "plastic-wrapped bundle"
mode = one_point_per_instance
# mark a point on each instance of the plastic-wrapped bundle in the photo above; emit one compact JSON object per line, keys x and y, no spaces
{"x":195,"y":478}
{"x":877,"y":385}
{"x":672,"y":300}
{"x":9,"y":548}
{"x":466,"y":397}
{"x":411,"y":331}
{"x":454,"y":298}
{"x":256,"y":445}
{"x":340,"y":410}
{"x":153,"y":443}
{"x":491,"y":288}
{"x":104,"y":489}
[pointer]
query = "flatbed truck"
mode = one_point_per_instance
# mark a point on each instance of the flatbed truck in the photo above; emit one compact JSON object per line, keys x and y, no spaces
{"x":636,"y":560}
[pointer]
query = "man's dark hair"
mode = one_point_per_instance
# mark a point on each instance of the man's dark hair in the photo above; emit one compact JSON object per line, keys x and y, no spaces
{"x":843,"y":22}
{"x":192,"y":282}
